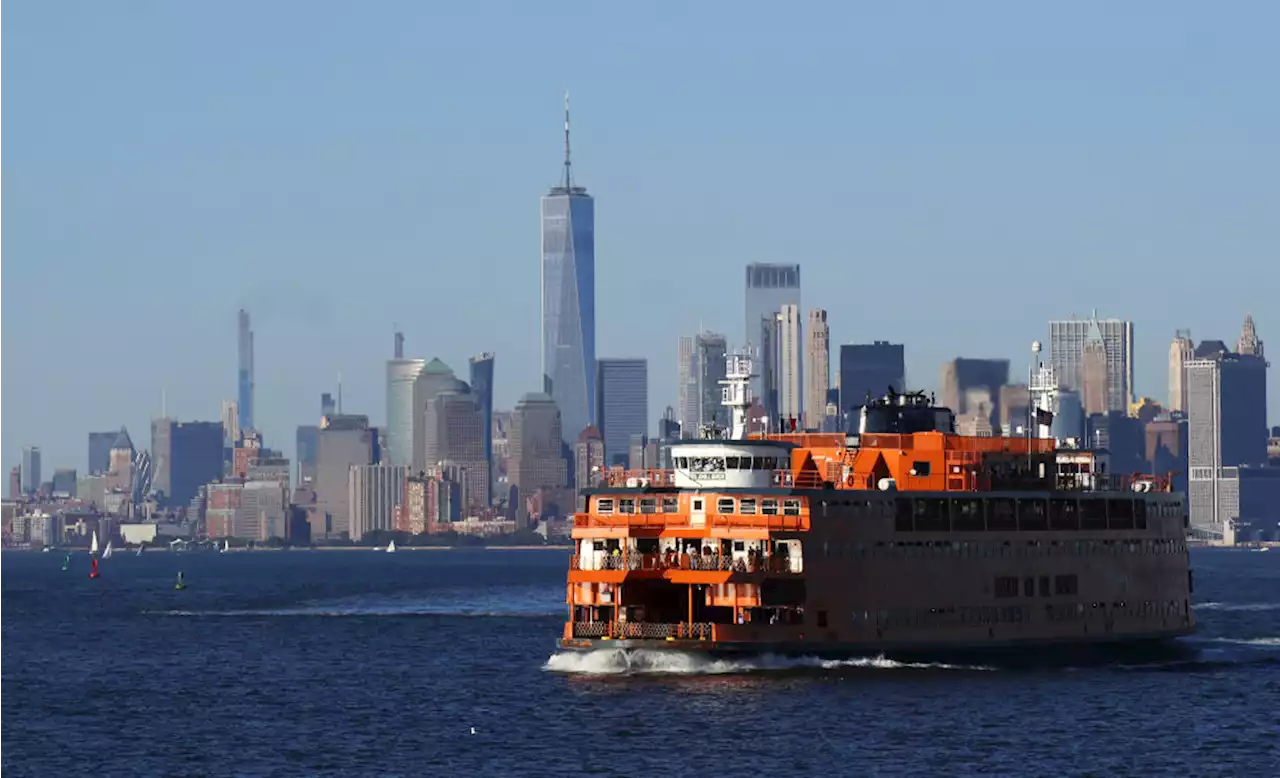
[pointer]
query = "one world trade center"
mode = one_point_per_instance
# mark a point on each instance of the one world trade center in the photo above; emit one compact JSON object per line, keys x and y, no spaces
{"x":569,"y":298}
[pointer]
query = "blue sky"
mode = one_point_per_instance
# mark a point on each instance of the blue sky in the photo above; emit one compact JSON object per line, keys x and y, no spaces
{"x":950,"y":176}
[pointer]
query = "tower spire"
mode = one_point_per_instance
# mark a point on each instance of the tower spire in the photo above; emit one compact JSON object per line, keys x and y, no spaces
{"x":568,"y":174}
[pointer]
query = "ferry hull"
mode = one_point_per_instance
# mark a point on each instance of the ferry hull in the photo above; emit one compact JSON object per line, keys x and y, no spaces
{"x":1149,"y":647}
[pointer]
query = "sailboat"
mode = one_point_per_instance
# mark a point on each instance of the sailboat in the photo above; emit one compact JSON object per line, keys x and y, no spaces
{"x":93,"y":544}
{"x":66,"y":562}
{"x":391,"y":547}
{"x":140,"y":549}
{"x":109,"y":551}
{"x":93,"y":561}
{"x":180,"y":584}
{"x":226,"y":546}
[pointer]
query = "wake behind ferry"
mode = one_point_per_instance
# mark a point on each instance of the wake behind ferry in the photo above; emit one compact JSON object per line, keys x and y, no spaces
{"x":902,"y":538}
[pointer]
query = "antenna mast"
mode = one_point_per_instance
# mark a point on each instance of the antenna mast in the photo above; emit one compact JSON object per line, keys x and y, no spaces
{"x":568,"y":177}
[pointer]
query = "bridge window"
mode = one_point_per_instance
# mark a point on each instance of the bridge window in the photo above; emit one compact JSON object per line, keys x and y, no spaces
{"x":769,"y":507}
{"x":1065,"y":585}
{"x":1093,"y":514}
{"x":670,"y":504}
{"x":604,"y":506}
{"x":747,"y":506}
{"x":648,"y":505}
{"x":1000,"y":514}
{"x":791,"y":507}
{"x":1063,"y":515}
{"x":966,"y":515}
{"x":724,"y":505}
{"x":920,"y":469}
{"x":1006,"y":586}
{"x":1120,"y":514}
{"x":1031,"y":515}
{"x":626,"y":505}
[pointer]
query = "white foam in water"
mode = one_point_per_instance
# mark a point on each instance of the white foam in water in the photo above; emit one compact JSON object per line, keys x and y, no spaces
{"x":1237,"y":606}
{"x":619,"y":661}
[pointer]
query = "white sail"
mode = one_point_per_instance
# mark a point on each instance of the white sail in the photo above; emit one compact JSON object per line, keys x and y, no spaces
{"x":109,"y":551}
{"x":93,"y":544}
{"x":391,"y":547}
{"x":226,"y":546}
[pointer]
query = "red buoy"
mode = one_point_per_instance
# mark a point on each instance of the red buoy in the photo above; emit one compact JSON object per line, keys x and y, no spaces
{"x":94,"y":572}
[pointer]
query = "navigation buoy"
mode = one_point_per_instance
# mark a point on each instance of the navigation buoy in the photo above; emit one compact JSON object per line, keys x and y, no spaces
{"x":94,"y":572}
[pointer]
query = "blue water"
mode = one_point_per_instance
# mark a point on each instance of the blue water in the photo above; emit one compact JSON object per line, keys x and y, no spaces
{"x":360,"y":663}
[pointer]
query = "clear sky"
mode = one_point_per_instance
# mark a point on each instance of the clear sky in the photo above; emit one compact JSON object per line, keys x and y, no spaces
{"x":949,"y":175}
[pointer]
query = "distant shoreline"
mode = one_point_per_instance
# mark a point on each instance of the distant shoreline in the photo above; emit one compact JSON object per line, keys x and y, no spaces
{"x":242,"y":550}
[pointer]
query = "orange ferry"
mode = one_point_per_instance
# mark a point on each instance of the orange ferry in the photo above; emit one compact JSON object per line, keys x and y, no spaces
{"x":904,"y":537}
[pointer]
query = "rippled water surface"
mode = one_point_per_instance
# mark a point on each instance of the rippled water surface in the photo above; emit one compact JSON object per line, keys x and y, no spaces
{"x":360,"y":663}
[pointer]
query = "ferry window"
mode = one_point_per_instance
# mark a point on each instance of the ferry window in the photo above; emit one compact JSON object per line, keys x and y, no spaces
{"x":1065,"y":584}
{"x":747,"y":507}
{"x":769,"y":507}
{"x":902,"y":516}
{"x":791,"y":507}
{"x":1063,"y":515}
{"x":697,"y":504}
{"x":921,"y":469}
{"x":648,"y":505}
{"x":966,"y":515}
{"x":931,"y":515}
{"x":1139,"y":514}
{"x":1044,"y":586}
{"x":626,"y":505}
{"x":731,"y":463}
{"x":1120,"y":514}
{"x":724,"y":505}
{"x":770,"y":463}
{"x":682,"y":463}
{"x":1093,"y":514}
{"x":604,"y":506}
{"x":1006,"y":586}
{"x":822,"y":618}
{"x":1028,"y":587}
{"x":1032,"y":515}
{"x":757,"y":463}
{"x":670,"y":505}
{"x":1000,"y":515}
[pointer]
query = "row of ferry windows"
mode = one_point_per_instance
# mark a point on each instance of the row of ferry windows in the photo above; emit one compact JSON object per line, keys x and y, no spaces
{"x":1034,"y":549}
{"x":1017,"y":614}
{"x":1063,"y":585}
{"x":747,"y":506}
{"x":718,"y":464}
{"x":1000,"y":514}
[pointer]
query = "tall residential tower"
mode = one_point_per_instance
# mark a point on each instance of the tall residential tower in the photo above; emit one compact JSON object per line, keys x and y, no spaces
{"x":569,"y":297}
{"x":244,"y":395}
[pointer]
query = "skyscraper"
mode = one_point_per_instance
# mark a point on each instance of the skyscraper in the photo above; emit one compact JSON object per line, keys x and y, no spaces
{"x":870,"y":369}
{"x":687,"y":378}
{"x":1248,"y":344}
{"x":709,"y":351}
{"x":185,"y":456}
{"x":435,"y":378}
{"x":790,"y":361}
{"x":569,"y":297}
{"x":402,"y":375}
{"x":622,"y":405}
{"x":768,"y":288}
{"x":972,"y":386}
{"x":246,"y":381}
{"x":30,"y":469}
{"x":537,"y":446}
{"x":100,"y":451}
{"x":817,"y":369}
{"x":1181,"y":351}
{"x":1226,"y":412}
{"x":482,"y":391}
{"x":1094,"y":383}
{"x":1067,"y":340}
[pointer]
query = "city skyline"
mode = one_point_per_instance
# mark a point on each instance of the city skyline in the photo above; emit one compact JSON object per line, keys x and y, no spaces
{"x":308,"y":330}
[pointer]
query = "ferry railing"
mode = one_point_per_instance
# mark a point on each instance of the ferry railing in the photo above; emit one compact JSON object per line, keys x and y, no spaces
{"x":643,"y":630}
{"x":776,"y":522}
{"x":618,"y":478}
{"x":632,"y":561}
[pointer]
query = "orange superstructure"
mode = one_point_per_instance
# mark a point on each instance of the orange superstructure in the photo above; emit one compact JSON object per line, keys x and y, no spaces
{"x":901,"y":536}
